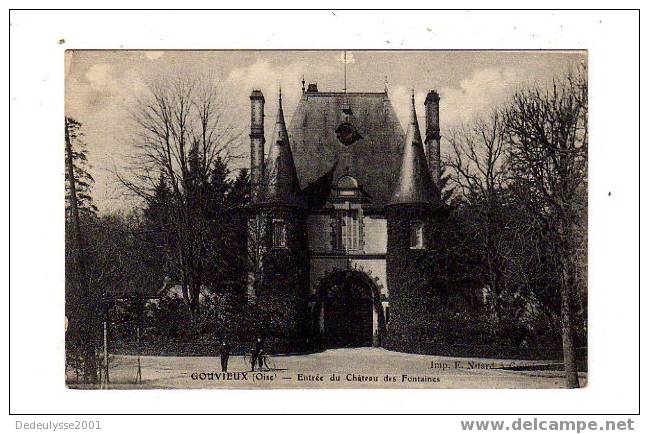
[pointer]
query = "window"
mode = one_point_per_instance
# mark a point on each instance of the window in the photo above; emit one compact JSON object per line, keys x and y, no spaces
{"x":347,"y":230}
{"x":417,"y":235}
{"x":279,"y":233}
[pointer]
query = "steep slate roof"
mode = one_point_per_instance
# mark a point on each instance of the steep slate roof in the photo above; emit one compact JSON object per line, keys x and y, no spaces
{"x":319,"y":155}
{"x":280,"y":185}
{"x":415,"y":185}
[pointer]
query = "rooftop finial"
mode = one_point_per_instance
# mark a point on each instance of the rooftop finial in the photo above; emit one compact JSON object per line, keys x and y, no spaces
{"x":413,"y":96}
{"x":385,"y":84}
{"x":280,"y":93}
{"x":302,"y":83}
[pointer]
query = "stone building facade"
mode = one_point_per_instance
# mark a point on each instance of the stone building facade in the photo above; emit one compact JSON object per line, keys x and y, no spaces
{"x":342,"y":202}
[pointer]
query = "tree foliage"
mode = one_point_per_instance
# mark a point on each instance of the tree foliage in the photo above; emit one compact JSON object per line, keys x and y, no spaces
{"x":182,"y":144}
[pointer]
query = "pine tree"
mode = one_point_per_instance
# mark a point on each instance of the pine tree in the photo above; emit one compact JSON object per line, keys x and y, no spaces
{"x":219,"y":186}
{"x":159,"y":231}
{"x":222,"y":236}
{"x":81,"y":302}
{"x":81,"y":168}
{"x":239,"y":193}
{"x":237,"y":199}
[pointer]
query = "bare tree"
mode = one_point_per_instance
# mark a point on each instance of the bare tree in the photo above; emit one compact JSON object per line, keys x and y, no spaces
{"x":478,"y":169}
{"x":478,"y":158}
{"x":181,"y":129}
{"x":548,"y":158}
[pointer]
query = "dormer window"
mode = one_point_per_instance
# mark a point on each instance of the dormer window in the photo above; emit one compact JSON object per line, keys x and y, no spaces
{"x":417,"y":235}
{"x":347,"y":182}
{"x":347,"y":188}
{"x":279,"y":233}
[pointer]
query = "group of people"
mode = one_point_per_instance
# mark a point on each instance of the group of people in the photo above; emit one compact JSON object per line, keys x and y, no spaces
{"x":257,"y":355}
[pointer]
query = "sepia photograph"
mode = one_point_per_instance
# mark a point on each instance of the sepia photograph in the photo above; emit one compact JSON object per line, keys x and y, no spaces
{"x":326,"y":219}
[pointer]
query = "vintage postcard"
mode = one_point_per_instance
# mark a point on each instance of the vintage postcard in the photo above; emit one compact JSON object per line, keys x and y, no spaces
{"x":326,"y":219}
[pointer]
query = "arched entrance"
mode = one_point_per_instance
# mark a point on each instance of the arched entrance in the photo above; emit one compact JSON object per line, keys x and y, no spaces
{"x":348,"y":310}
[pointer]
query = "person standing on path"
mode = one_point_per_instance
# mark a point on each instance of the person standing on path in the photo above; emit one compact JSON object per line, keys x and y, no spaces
{"x":225,"y":355}
{"x":257,"y":349}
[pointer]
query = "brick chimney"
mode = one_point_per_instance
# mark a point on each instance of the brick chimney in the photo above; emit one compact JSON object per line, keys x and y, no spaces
{"x":257,"y":141}
{"x":432,"y":136}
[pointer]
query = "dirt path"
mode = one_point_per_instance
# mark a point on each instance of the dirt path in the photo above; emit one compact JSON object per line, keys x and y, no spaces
{"x":341,"y":368}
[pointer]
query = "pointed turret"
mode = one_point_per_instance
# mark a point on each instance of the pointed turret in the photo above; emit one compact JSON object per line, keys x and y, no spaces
{"x":281,"y":186}
{"x":414,"y":186}
{"x":411,"y":222}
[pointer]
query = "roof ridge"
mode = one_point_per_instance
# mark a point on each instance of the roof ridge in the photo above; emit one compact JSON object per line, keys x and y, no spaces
{"x":333,"y":93}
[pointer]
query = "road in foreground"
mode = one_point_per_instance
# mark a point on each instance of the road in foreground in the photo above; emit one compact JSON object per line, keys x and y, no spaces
{"x":340,"y":368}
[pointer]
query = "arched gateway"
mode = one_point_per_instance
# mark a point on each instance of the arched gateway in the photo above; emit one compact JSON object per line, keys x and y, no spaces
{"x":327,"y":192}
{"x":347,"y":311}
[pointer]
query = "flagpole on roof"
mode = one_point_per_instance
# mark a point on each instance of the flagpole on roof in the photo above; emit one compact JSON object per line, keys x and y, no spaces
{"x":345,"y":69}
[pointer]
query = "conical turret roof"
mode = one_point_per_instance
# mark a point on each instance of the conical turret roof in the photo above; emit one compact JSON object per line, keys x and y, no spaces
{"x":414,"y":186}
{"x":281,"y":186}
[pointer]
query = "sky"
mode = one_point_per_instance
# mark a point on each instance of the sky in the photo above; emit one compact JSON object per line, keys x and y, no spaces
{"x":103,"y":86}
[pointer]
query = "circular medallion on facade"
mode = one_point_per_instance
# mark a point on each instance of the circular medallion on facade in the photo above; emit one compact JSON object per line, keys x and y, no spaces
{"x":347,"y":133}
